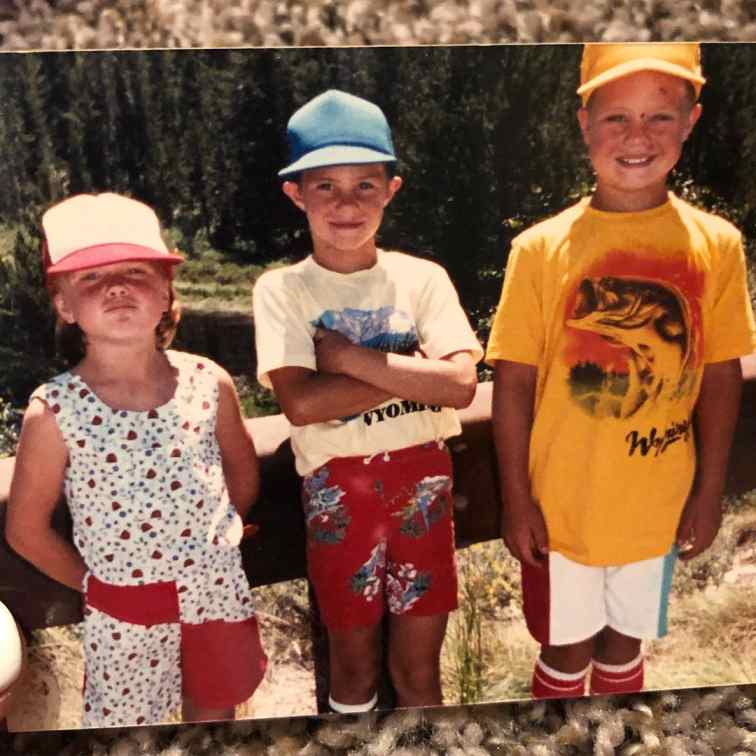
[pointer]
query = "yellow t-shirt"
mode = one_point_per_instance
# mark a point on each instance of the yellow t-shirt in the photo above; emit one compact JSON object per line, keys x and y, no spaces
{"x":619,"y":312}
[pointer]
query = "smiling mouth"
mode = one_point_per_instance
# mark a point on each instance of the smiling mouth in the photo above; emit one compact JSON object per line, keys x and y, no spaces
{"x":120,"y":306}
{"x":346,"y":225}
{"x":635,"y":162}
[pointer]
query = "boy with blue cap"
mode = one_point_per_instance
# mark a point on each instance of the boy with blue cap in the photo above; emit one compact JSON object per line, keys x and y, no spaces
{"x":368,"y":352}
{"x":617,"y":382}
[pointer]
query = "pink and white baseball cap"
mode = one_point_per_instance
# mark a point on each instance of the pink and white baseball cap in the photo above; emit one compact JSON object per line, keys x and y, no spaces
{"x":89,"y":230}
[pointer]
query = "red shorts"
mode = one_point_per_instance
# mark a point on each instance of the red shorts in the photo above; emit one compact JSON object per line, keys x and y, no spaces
{"x":221,"y":663}
{"x":380,"y":533}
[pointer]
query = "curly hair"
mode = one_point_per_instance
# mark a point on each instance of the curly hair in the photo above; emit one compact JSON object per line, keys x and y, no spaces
{"x":71,"y":342}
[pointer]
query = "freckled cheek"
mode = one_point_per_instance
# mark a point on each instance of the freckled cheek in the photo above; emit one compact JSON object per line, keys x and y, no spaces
{"x":90,"y":294}
{"x":611,"y":132}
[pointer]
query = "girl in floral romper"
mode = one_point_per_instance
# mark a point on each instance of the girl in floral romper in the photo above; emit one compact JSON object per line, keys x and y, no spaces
{"x":158,"y":470}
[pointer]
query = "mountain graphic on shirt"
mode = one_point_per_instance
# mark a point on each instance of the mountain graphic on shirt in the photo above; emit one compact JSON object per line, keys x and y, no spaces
{"x":386,"y":329}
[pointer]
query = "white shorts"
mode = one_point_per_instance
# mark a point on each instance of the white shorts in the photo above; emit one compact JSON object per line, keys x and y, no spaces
{"x":565,"y":602}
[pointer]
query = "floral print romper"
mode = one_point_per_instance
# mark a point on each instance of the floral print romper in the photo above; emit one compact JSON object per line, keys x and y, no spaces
{"x":149,"y":505}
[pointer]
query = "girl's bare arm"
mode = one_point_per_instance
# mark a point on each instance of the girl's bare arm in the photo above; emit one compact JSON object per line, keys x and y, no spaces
{"x":36,"y":488}
{"x":240,"y":465}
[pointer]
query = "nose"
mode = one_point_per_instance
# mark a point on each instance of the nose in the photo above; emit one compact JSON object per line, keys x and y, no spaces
{"x":115,"y":285}
{"x":345,"y":199}
{"x":637,"y":129}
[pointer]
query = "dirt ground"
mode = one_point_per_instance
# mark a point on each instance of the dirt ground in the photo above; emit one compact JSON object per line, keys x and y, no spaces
{"x":51,"y":696}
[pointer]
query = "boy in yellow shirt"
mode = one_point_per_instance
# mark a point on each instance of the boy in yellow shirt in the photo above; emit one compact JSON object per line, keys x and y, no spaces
{"x":615,"y":348}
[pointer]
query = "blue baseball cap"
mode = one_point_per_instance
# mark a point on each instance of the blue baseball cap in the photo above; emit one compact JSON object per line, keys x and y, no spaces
{"x":336,"y":128}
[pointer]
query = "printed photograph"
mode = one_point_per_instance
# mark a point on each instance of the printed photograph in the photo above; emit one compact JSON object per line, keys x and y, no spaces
{"x":336,"y":379}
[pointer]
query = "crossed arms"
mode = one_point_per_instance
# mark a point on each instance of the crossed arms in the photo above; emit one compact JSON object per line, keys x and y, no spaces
{"x":351,"y":378}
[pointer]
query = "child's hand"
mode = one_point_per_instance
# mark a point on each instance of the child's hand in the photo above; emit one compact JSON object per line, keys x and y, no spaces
{"x":699,"y":525}
{"x":523,"y":530}
{"x":330,"y":347}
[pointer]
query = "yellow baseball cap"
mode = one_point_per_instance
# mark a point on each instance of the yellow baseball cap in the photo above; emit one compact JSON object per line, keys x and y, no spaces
{"x":605,"y":62}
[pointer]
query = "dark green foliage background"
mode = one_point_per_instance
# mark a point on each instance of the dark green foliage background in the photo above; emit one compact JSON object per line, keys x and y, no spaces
{"x":487,"y":139}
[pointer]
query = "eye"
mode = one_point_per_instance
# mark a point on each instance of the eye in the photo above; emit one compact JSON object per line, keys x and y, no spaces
{"x":366,"y":186}
{"x":616,"y":118}
{"x":90,"y":275}
{"x":324,"y":186}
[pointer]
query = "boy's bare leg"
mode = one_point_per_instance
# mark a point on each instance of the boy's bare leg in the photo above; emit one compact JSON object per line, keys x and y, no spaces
{"x":413,"y":657}
{"x":354,"y":664}
{"x":571,"y":658}
{"x":612,"y":647}
{"x":192,"y":713}
{"x":617,"y":664}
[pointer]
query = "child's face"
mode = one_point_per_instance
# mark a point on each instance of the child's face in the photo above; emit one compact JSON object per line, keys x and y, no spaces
{"x":117,"y":301}
{"x":344,"y":204}
{"x":634,"y":128}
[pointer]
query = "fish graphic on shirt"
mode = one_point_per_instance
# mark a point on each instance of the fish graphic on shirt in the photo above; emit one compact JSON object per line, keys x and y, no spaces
{"x":651,"y":322}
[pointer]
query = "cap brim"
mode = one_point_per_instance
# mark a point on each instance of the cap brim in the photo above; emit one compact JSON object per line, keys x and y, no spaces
{"x":337,"y":155}
{"x":106,"y":254}
{"x":639,"y":64}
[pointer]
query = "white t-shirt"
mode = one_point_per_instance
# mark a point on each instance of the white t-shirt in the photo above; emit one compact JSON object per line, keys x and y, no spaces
{"x":403,"y":304}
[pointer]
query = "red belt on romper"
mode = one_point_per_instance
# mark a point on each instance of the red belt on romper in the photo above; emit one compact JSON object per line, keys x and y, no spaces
{"x":148,"y":604}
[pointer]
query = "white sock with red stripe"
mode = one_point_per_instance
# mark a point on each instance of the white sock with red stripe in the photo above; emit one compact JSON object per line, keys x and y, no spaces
{"x":551,"y":683}
{"x":607,"y":679}
{"x":342,"y":708}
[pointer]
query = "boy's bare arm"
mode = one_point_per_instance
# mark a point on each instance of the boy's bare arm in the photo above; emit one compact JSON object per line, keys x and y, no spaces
{"x":449,"y":381}
{"x":715,"y":417}
{"x":240,"y":465}
{"x":35,"y":490}
{"x":307,"y":396}
{"x":522,"y":525}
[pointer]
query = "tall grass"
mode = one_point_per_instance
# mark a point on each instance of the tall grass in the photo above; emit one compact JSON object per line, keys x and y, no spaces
{"x":710,"y":640}
{"x":465,"y":636}
{"x":488,"y":592}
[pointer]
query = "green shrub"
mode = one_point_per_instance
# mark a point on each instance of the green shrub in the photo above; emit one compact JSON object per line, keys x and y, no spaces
{"x":27,"y":321}
{"x":10,"y":421}
{"x":256,"y":401}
